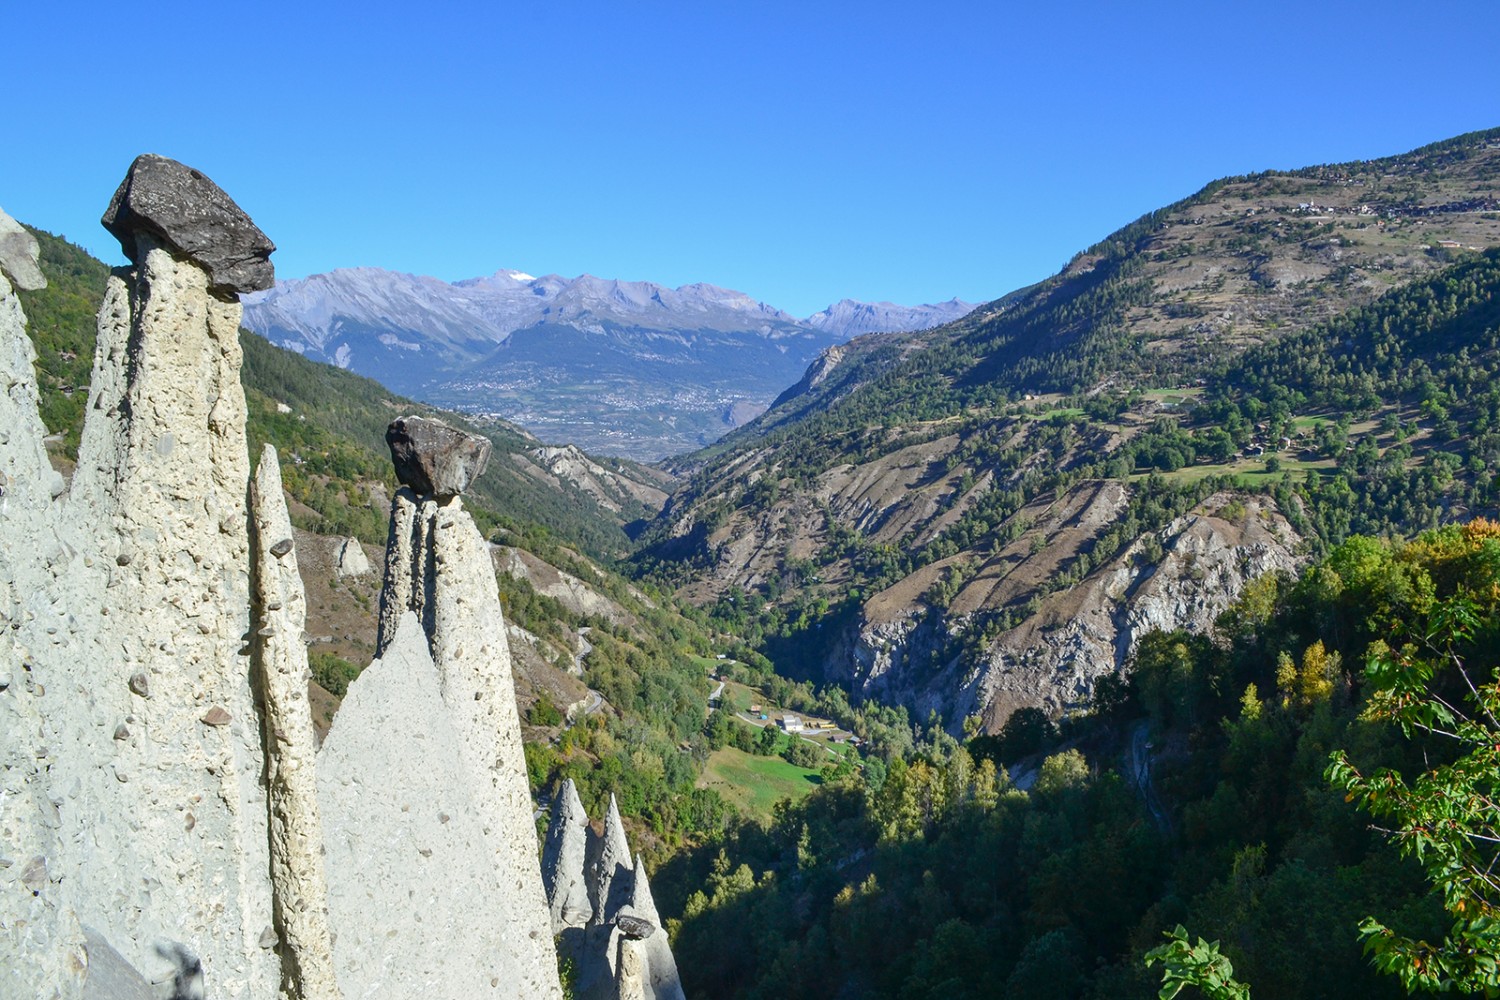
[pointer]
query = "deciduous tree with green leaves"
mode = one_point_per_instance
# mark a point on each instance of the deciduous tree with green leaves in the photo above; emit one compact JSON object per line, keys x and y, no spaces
{"x":1447,"y":817}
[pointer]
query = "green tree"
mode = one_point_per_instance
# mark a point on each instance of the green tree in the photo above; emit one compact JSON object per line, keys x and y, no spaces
{"x":1447,"y":817}
{"x":1199,"y":965}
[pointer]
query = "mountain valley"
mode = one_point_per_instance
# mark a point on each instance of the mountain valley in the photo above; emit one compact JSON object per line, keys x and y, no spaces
{"x":626,"y":368}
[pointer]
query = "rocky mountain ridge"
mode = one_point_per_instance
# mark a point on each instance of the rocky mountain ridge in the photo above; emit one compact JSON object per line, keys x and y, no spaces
{"x":900,"y":518}
{"x":673,"y":367}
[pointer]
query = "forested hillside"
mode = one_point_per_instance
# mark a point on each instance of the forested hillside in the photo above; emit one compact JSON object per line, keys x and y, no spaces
{"x":1194,"y":793}
{"x":968,"y":520}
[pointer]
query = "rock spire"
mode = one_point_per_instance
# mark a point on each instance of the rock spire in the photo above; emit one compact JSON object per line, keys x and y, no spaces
{"x":126,"y":603}
{"x":563,"y":859}
{"x":296,"y":829}
{"x":168,"y":827}
{"x":439,"y":568}
{"x":619,"y":947}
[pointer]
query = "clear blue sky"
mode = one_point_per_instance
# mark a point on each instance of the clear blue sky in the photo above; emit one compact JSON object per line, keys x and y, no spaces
{"x":801,"y":152}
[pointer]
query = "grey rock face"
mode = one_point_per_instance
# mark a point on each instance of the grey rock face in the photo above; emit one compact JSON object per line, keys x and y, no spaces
{"x":413,"y":888}
{"x":18,"y":255}
{"x":438,"y":565}
{"x":435,"y":460}
{"x":563,"y":858}
{"x":182,"y":209}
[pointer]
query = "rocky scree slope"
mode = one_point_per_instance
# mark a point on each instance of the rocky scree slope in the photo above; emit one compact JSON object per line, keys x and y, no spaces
{"x":934,"y":499}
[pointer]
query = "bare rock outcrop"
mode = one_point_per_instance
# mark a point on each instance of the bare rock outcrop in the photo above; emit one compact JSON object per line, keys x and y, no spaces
{"x":438,"y":566}
{"x":620,"y":948}
{"x":296,"y":831}
{"x":1181,"y":576}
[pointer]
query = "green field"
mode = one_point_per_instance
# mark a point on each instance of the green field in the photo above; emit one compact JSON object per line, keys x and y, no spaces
{"x":1250,"y":472}
{"x":754,"y":784}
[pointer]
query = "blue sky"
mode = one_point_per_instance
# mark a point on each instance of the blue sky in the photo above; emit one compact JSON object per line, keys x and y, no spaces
{"x":801,"y":152}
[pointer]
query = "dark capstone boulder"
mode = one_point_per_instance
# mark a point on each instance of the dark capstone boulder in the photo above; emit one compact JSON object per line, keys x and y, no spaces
{"x":634,"y":925}
{"x":181,"y":208}
{"x":433,"y":458}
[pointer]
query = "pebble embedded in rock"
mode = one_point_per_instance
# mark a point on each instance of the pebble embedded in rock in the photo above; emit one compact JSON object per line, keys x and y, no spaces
{"x":34,"y":875}
{"x":216,"y":716}
{"x":281,"y":548}
{"x":122,"y":732}
{"x":140,"y":685}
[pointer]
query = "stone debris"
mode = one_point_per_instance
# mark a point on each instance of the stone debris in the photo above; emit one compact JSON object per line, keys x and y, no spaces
{"x":183,"y":210}
{"x":621,"y":949}
{"x":435,"y":460}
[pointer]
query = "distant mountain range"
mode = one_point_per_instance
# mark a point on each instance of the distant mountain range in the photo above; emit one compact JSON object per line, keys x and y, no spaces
{"x":621,"y":367}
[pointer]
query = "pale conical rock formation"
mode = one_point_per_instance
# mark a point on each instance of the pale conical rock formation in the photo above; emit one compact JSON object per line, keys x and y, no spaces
{"x":165,"y":825}
{"x":179,"y":878}
{"x":563,"y":858}
{"x":349,"y":559}
{"x":412,"y":887}
{"x":296,"y":832}
{"x":438,"y":566}
{"x":661,"y":979}
{"x":127,"y":605}
{"x":623,"y":951}
{"x":610,"y":869}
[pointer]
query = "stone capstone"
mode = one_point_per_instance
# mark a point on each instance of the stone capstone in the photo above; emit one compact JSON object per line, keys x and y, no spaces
{"x":434,"y":459}
{"x":193,"y":217}
{"x":18,"y":255}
